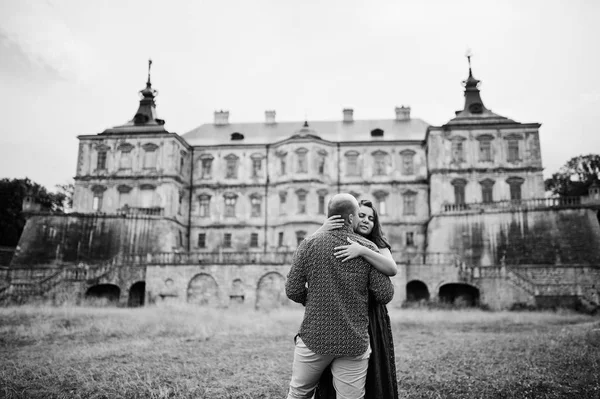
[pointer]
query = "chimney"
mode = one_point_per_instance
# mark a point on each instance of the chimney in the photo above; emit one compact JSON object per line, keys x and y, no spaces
{"x":402,"y":113}
{"x":348,"y":115}
{"x":270,"y":117}
{"x":221,"y":118}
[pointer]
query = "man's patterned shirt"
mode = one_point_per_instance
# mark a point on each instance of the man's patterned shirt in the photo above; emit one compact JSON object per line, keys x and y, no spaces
{"x":336,"y":299}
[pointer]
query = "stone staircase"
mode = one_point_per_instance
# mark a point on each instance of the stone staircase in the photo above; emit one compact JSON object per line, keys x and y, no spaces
{"x":587,"y":293}
{"x":18,"y":290}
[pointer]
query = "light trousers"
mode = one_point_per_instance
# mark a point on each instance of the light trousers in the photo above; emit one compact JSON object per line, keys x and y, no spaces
{"x":349,"y":373}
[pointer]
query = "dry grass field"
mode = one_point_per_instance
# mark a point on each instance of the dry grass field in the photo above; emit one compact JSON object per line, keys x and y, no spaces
{"x":188,"y":352}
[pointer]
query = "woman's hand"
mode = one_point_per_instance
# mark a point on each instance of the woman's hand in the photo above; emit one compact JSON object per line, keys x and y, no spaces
{"x":347,"y":252}
{"x":332,"y":223}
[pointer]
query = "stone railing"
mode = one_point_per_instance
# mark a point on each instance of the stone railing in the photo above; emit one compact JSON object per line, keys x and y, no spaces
{"x":188,"y":258}
{"x":521,"y":281}
{"x":534,"y":203}
{"x":274,"y":258}
{"x":153,"y":211}
{"x":52,"y":278}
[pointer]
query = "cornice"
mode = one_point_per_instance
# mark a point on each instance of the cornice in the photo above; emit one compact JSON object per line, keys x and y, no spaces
{"x":486,"y":170}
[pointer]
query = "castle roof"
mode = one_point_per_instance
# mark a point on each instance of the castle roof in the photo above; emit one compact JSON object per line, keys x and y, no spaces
{"x":336,"y":131}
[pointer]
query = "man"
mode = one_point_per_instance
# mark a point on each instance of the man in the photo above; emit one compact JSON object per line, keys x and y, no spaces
{"x":335,"y":295}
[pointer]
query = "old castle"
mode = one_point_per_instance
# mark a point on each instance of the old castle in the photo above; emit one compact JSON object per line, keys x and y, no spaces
{"x":214,"y":215}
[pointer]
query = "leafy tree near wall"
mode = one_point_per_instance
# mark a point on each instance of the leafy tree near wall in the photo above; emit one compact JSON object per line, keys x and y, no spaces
{"x":12,"y":193}
{"x":574,"y":178}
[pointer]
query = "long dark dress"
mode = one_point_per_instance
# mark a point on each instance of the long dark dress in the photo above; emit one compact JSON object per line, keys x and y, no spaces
{"x":381,"y":382}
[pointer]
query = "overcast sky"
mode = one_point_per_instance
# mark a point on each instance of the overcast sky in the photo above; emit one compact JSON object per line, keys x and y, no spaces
{"x":74,"y":67}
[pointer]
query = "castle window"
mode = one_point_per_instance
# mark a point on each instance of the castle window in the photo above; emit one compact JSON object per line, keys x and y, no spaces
{"x":487,"y":191}
{"x":97,"y":202}
{"x":301,"y":201}
{"x":202,"y":240}
{"x":321,"y":201}
{"x":485,"y":148}
{"x":380,"y":201}
{"x":515,"y":184}
{"x":280,"y":239}
{"x":379,"y":163}
{"x":459,"y":191}
{"x":237,"y":136}
{"x":206,"y":166}
{"x":101,"y":164}
{"x":124,"y":195}
{"x":204,"y":201}
{"x":125,"y":157}
{"x":256,"y":203}
{"x":282,"y":165}
{"x":513,"y":150}
{"x":180,"y":238}
{"x":150,"y":155}
{"x":376,"y":133}
{"x":254,"y":240}
{"x":410,"y":239}
{"x":300,"y":235}
{"x":97,"y":198}
{"x":409,"y":203}
{"x":231,"y":168}
{"x":227,"y":240}
{"x":282,"y":202}
{"x":302,"y":154}
{"x":230,"y":200}
{"x":181,"y":163}
{"x":408,"y":167}
{"x":256,"y":167}
{"x":352,"y":163}
{"x":458,"y":150}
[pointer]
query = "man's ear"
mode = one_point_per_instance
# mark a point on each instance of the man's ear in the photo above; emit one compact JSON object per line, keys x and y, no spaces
{"x":351,"y":219}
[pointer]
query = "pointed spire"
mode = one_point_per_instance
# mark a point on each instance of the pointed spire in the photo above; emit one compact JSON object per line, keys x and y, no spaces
{"x":473,"y":102}
{"x":146,"y":113}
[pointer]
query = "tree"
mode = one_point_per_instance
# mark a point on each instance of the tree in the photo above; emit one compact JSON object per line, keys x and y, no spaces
{"x":68,"y":190}
{"x":12,"y":193}
{"x":575,"y":177}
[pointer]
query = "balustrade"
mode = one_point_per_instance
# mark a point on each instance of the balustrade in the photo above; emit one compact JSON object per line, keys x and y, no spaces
{"x":534,"y":203}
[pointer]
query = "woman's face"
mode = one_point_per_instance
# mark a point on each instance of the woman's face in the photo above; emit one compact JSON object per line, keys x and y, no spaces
{"x":366,"y":220}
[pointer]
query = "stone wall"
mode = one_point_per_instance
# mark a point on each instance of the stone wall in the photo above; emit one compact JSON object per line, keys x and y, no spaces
{"x":520,"y":237}
{"x":52,"y":240}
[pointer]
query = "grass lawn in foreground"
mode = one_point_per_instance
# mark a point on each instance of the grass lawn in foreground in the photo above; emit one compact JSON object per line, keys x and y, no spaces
{"x":188,"y":352}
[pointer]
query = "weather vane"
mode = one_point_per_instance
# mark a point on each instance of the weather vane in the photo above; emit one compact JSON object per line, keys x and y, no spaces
{"x":149,"y":66}
{"x":469,"y":54}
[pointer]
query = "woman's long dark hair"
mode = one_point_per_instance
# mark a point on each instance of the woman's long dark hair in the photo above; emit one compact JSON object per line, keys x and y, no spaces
{"x":376,"y":235}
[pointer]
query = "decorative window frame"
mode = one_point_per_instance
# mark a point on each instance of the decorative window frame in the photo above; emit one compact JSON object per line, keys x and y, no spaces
{"x":404,"y":155}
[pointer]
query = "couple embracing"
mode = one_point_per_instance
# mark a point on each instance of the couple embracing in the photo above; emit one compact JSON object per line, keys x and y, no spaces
{"x":344,"y":347}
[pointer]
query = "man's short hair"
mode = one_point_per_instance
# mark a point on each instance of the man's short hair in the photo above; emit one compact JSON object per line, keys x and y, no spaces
{"x":343,"y":205}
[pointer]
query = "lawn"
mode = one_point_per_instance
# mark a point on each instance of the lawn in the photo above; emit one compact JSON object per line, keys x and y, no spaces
{"x":187,"y":352}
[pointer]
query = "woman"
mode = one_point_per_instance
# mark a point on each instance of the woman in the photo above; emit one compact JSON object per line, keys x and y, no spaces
{"x":381,"y":375}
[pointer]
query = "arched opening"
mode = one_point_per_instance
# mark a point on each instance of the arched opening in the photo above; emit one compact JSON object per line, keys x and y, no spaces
{"x":236,"y":295}
{"x":203,"y":290}
{"x":416,"y":291}
{"x":461,"y":295}
{"x":102,"y":295}
{"x":137,"y":293}
{"x":270,"y":292}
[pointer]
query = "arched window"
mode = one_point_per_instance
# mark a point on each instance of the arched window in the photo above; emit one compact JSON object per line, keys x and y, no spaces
{"x":256,"y":205}
{"x":230,"y":201}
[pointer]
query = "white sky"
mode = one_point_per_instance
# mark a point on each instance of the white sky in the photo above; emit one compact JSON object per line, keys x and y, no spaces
{"x":74,"y":67}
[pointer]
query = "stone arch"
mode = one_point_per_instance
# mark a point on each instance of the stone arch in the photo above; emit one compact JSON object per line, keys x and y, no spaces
{"x":237,"y":293}
{"x":459,"y":294}
{"x":270,"y":291}
{"x":416,"y":291}
{"x":137,"y":294}
{"x":203,"y":290}
{"x":103,"y":294}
